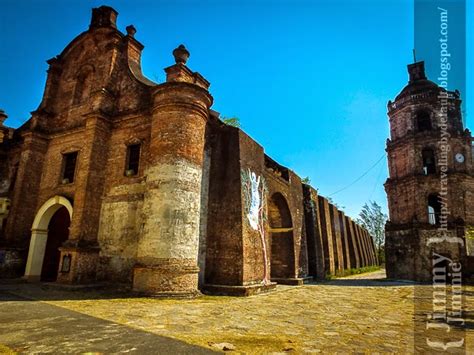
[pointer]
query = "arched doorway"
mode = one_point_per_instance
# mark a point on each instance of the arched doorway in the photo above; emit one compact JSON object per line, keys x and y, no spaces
{"x":58,"y":232}
{"x":281,"y":233}
{"x":50,"y":229}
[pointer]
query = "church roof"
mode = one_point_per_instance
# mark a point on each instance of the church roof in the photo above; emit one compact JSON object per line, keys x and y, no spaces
{"x":418,"y":82}
{"x":421,"y":85}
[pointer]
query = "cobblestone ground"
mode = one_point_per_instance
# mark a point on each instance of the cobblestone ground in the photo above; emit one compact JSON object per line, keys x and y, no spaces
{"x":363,"y":313}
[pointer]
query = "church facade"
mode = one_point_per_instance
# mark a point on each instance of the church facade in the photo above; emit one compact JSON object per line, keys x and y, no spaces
{"x":430,"y":188}
{"x":115,"y":178}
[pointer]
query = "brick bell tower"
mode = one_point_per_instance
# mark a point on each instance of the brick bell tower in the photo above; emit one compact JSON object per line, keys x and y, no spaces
{"x":430,"y":188}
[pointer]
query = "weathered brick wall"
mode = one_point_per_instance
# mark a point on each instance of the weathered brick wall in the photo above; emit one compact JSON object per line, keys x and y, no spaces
{"x":251,"y":157}
{"x":327,"y":236}
{"x":354,"y":248}
{"x":224,"y":245}
{"x":334,"y":238}
{"x":235,"y":158}
{"x":204,"y":210}
{"x":121,"y":215}
{"x":409,"y":256}
{"x":9,"y":162}
{"x":26,"y":189}
{"x":292,"y":192}
{"x":345,"y":240}
{"x":337,"y":238}
{"x":314,"y":237}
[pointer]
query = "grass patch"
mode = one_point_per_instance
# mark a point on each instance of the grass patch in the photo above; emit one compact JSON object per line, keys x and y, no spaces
{"x":349,"y":272}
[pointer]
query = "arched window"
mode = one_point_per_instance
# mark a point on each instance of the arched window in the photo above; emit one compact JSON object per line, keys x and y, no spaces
{"x":282,"y":241}
{"x":434,"y":209}
{"x":83,"y":84}
{"x":423,"y":121}
{"x":279,"y":215}
{"x":429,"y":162}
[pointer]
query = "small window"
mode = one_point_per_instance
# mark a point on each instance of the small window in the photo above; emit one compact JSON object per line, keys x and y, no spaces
{"x":133,"y":160}
{"x":423,"y":121}
{"x":429,"y":164}
{"x":69,"y":167}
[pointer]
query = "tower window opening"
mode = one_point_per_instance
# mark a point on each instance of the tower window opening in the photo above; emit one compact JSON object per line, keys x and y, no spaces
{"x":69,"y":167}
{"x":133,"y":160}
{"x":423,"y":121}
{"x":429,"y":163}
{"x":434,"y":209}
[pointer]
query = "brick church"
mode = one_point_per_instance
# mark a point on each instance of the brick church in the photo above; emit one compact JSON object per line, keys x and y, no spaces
{"x":119,"y":179}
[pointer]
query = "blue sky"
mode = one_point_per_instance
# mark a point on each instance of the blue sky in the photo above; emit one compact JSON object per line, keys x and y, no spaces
{"x":309,"y":80}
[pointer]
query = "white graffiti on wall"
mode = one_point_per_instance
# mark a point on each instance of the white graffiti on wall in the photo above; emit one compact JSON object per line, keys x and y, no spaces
{"x":255,"y":203}
{"x":254,"y":211}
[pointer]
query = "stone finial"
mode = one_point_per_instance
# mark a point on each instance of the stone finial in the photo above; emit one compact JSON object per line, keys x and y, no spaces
{"x":181,"y":54}
{"x":103,"y":16}
{"x":3,"y":117}
{"x":131,"y":30}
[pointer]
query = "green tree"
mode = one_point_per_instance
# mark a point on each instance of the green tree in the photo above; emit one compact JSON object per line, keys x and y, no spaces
{"x":331,"y":201}
{"x":232,"y":121}
{"x":373,"y":219}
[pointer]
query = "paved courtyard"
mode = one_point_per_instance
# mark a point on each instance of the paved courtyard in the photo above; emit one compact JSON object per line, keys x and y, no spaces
{"x":362,"y":313}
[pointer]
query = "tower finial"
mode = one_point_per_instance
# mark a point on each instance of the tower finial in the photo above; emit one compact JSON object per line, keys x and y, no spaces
{"x":181,"y":54}
{"x":131,"y":30}
{"x":414,"y":55}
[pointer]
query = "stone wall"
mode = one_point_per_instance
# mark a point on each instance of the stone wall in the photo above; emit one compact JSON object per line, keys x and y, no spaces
{"x":304,"y":234}
{"x":224,"y":244}
{"x":410,"y":255}
{"x":339,"y":242}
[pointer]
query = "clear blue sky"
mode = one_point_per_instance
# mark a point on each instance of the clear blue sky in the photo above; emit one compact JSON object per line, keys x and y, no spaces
{"x":309,"y":80}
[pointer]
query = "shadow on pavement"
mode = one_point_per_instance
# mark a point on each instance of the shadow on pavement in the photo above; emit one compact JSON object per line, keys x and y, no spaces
{"x":43,"y":291}
{"x":46,"y":291}
{"x":37,"y":327}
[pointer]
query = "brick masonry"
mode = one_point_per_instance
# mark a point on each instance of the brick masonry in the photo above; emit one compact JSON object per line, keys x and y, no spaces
{"x":206,"y":208}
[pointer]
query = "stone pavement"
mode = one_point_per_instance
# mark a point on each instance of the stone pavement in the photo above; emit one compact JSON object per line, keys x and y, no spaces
{"x":37,"y":327}
{"x":362,"y":313}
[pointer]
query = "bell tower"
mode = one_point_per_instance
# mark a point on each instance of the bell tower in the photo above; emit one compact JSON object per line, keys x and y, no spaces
{"x":430,"y":188}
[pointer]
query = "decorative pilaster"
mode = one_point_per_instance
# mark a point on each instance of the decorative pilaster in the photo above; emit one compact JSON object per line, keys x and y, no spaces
{"x":82,"y":247}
